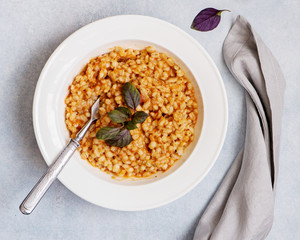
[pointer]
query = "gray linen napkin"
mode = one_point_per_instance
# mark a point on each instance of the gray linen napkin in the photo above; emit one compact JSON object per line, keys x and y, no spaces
{"x":243,"y":206}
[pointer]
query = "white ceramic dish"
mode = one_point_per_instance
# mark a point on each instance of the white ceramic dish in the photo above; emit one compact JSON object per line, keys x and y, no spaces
{"x":136,"y":32}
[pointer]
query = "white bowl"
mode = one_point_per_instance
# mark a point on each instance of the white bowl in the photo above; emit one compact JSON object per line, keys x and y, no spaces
{"x":136,"y":32}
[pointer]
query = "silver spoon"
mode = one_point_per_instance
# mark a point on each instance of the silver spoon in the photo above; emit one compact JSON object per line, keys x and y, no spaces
{"x":38,"y":191}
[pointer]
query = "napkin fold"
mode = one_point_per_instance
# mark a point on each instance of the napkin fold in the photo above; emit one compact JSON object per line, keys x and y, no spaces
{"x":243,"y":206}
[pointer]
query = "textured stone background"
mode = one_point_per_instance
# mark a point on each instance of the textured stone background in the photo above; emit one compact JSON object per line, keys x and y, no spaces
{"x":29,"y":33}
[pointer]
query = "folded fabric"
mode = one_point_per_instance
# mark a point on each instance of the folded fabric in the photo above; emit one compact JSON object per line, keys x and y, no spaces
{"x":243,"y":206}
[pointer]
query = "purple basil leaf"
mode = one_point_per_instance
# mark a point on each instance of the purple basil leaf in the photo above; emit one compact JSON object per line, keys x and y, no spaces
{"x":106,"y":133}
{"x":207,"y":19}
{"x":122,"y":139}
{"x":124,"y":110}
{"x":118,"y":115}
{"x":130,"y":125}
{"x":139,"y":117}
{"x":131,"y":95}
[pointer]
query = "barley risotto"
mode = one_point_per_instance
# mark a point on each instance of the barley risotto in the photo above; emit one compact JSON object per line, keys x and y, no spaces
{"x":166,"y":95}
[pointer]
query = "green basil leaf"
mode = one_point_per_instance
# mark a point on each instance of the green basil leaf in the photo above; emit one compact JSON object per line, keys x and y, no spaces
{"x":130,"y":125}
{"x":139,"y":117}
{"x":122,"y":139}
{"x":124,"y":110}
{"x":118,"y":116}
{"x":106,"y":133}
{"x":131,"y":95}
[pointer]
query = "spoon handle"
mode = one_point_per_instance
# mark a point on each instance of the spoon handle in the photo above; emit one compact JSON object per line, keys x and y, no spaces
{"x":38,"y":191}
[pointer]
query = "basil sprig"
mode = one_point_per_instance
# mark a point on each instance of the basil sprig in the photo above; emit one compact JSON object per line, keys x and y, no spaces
{"x":120,"y":136}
